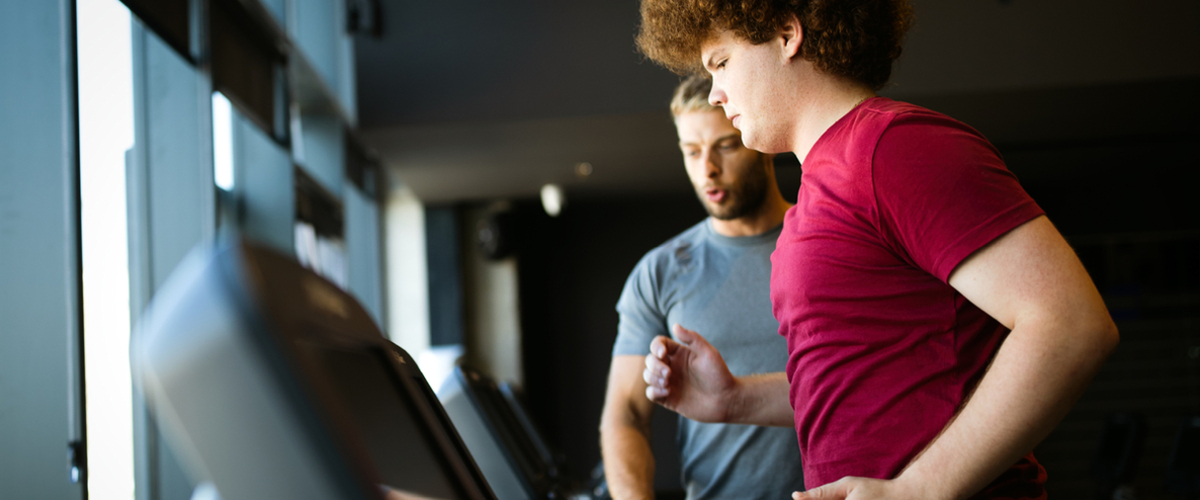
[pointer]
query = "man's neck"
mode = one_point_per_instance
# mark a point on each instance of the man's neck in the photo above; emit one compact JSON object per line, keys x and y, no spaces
{"x":767,"y":217}
{"x":824,"y":101}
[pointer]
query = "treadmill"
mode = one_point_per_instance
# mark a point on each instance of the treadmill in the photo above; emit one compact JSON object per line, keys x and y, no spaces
{"x":516,"y":404}
{"x":272,"y":383}
{"x":511,"y":454}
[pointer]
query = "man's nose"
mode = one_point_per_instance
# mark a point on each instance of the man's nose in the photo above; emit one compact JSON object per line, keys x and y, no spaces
{"x":716,"y":96}
{"x":712,"y":164}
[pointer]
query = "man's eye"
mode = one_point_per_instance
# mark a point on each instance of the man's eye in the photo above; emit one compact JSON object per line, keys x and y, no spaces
{"x":691,"y":154}
{"x":722,"y":64}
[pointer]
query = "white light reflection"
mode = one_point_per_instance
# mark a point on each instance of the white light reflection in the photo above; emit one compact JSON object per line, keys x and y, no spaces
{"x":222,"y":141}
{"x":105,"y":134}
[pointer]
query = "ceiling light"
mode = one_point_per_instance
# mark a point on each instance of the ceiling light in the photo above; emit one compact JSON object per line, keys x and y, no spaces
{"x":553,"y":199}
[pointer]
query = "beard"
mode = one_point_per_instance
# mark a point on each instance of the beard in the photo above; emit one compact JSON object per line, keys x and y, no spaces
{"x":745,"y":197}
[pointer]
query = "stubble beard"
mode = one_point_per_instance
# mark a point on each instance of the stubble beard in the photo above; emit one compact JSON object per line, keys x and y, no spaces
{"x":745,"y":198}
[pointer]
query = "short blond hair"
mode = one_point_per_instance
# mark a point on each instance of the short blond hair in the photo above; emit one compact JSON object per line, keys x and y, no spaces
{"x":692,"y":95}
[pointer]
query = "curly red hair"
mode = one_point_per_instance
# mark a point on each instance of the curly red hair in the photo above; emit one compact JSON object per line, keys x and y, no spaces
{"x":853,"y":39}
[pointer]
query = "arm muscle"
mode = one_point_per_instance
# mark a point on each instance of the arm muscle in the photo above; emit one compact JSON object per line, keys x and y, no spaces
{"x":625,"y":431}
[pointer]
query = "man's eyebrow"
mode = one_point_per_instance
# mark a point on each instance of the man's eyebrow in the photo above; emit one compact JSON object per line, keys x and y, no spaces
{"x":719,"y":140}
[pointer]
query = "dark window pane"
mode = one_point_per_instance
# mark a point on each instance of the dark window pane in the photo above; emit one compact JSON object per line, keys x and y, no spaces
{"x":168,"y":19}
{"x":246,"y":64}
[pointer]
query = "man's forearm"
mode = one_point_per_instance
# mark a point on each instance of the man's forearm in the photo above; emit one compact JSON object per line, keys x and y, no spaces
{"x":1036,"y":377}
{"x":628,"y":462}
{"x":761,"y":400}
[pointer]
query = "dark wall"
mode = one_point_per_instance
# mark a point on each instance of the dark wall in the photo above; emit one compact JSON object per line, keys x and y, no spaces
{"x":572,"y":269}
{"x":1113,"y":185}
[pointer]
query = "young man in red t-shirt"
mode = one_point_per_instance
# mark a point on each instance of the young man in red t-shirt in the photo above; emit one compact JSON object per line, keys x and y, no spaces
{"x":938,"y":325}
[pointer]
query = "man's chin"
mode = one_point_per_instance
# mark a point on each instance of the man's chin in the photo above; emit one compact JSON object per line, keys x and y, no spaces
{"x":727,"y":209}
{"x":720,"y":213}
{"x":751,"y":140}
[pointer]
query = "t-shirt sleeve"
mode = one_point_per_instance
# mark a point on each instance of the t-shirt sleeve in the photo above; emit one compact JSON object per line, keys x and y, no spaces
{"x":640,"y":318}
{"x":942,"y":191}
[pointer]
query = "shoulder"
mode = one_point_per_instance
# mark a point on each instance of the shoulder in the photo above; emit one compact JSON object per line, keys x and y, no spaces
{"x":901,"y":143}
{"x":653,"y":280}
{"x":908,"y":129}
{"x":882,"y":108}
{"x":677,"y":252}
{"x":855,"y":139}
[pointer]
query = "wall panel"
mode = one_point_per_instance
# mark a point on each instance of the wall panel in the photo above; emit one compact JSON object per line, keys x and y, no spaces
{"x":171,"y":210}
{"x":40,"y":381}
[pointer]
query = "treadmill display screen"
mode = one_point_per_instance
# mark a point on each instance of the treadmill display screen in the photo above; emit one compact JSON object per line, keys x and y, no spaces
{"x":402,"y":450}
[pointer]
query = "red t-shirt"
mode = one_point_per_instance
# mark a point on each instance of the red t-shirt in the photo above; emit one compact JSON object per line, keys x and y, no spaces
{"x":882,"y":351}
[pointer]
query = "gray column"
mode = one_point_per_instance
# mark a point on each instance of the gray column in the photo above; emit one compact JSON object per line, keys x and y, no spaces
{"x":40,"y":369}
{"x":364,"y":251}
{"x":171,"y":210}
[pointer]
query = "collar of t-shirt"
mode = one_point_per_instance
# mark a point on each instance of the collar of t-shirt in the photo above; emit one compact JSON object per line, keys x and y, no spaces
{"x":742,"y":241}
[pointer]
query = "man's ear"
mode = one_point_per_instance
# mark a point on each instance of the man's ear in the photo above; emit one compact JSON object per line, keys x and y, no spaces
{"x":791,"y":34}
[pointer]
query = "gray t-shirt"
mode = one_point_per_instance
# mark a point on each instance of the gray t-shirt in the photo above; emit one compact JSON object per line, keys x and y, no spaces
{"x":719,"y":287}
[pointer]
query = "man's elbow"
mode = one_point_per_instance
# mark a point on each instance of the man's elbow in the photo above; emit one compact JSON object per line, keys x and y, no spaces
{"x":617,"y":418}
{"x":609,"y":422}
{"x":1107,"y":336}
{"x":1083,"y":340}
{"x":616,"y":430}
{"x":1097,"y":337}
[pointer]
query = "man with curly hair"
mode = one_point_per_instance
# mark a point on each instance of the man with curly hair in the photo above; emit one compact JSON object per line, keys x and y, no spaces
{"x":938,"y":325}
{"x":715,"y":276}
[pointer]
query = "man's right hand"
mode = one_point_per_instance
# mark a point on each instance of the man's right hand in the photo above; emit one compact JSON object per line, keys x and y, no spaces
{"x":690,"y":377}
